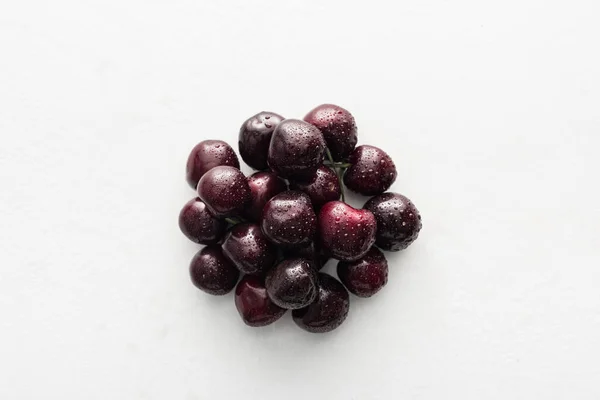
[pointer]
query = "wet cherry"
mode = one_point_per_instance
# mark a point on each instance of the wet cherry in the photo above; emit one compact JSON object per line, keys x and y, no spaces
{"x":255,"y":137}
{"x":225,"y":191}
{"x":198,"y":224}
{"x":371,"y":172}
{"x":206,"y":155}
{"x":365,"y":276}
{"x":338,"y":128}
{"x":345,"y":232}
{"x":398,"y":221}
{"x":328,"y":311}
{"x":253,"y":303}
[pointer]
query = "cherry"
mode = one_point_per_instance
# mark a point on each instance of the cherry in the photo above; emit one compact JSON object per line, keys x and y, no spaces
{"x":289,"y":220}
{"x":253,"y":303}
{"x":366,"y":276}
{"x":206,"y":155}
{"x":248,"y":248}
{"x":198,"y":224}
{"x":212,"y":273}
{"x":371,"y":172}
{"x":346,"y":233}
{"x":297,"y":149}
{"x":255,"y":137}
{"x":338,"y":128}
{"x":263,"y":186}
{"x":292,"y":283}
{"x":323,"y":187}
{"x":224,"y":190}
{"x":329,"y":309}
{"x":398,"y":221}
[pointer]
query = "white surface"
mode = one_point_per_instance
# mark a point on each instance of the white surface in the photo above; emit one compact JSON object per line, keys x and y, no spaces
{"x":491,"y":111}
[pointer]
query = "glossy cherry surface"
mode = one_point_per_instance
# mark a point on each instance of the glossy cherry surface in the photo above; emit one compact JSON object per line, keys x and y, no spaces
{"x":255,"y":137}
{"x":365,"y":276}
{"x":198,"y":224}
{"x":345,"y":232}
{"x":206,"y":155}
{"x":225,"y":191}
{"x":253,"y":303}
{"x":372,"y":171}
{"x":212,"y":272}
{"x":289,"y":220}
{"x":338,"y":128}
{"x":296,"y":150}
{"x":322,"y":188}
{"x":398,"y":220}
{"x":263,"y":186}
{"x":248,"y":248}
{"x":292,"y":283}
{"x":328,"y":311}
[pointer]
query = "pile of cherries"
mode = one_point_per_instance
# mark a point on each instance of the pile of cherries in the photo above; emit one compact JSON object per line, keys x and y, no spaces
{"x":279,"y":226}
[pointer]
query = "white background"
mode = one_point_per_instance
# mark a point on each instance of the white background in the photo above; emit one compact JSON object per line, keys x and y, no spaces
{"x":491,"y":111}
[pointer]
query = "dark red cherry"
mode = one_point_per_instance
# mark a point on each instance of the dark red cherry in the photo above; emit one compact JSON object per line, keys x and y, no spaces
{"x":253,"y":303}
{"x":206,"y":155}
{"x":322,"y":188}
{"x":255,"y":137}
{"x":398,"y":221}
{"x":289,"y":219}
{"x":365,"y":276}
{"x":372,"y":171}
{"x":346,"y":233}
{"x":263,"y":186}
{"x":338,"y":128}
{"x":329,"y":309}
{"x":292,"y":283}
{"x":198,"y":224}
{"x":225,"y":191}
{"x":297,"y":149}
{"x":212,"y":272}
{"x":248,"y":248}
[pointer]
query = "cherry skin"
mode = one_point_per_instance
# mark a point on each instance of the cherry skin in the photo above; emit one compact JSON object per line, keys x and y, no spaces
{"x":263,"y":186}
{"x":292,"y":283}
{"x":225,"y":191}
{"x":338,"y":128}
{"x":207,"y":155}
{"x":296,"y":150}
{"x":253,"y":303}
{"x":248,"y":248}
{"x":328,"y":311}
{"x":346,"y":233}
{"x":289,"y":220}
{"x":372,"y":171}
{"x":323,"y":187}
{"x":365,"y":276}
{"x":199,"y":225}
{"x":255,"y":137}
{"x":398,"y":221}
{"x":212,"y":272}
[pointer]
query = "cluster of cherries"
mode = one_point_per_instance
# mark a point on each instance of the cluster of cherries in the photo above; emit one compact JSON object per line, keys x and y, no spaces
{"x":279,"y":226}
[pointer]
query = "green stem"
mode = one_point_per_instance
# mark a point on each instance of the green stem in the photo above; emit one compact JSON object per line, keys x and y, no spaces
{"x":337,"y":164}
{"x":333,"y":164}
{"x":233,"y":221}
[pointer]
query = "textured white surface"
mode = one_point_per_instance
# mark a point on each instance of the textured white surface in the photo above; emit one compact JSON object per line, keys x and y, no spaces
{"x":491,"y":111}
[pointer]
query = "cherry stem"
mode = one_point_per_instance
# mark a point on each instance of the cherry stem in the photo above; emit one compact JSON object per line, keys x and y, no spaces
{"x":234,"y":221}
{"x":335,"y":167}
{"x":337,"y":164}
